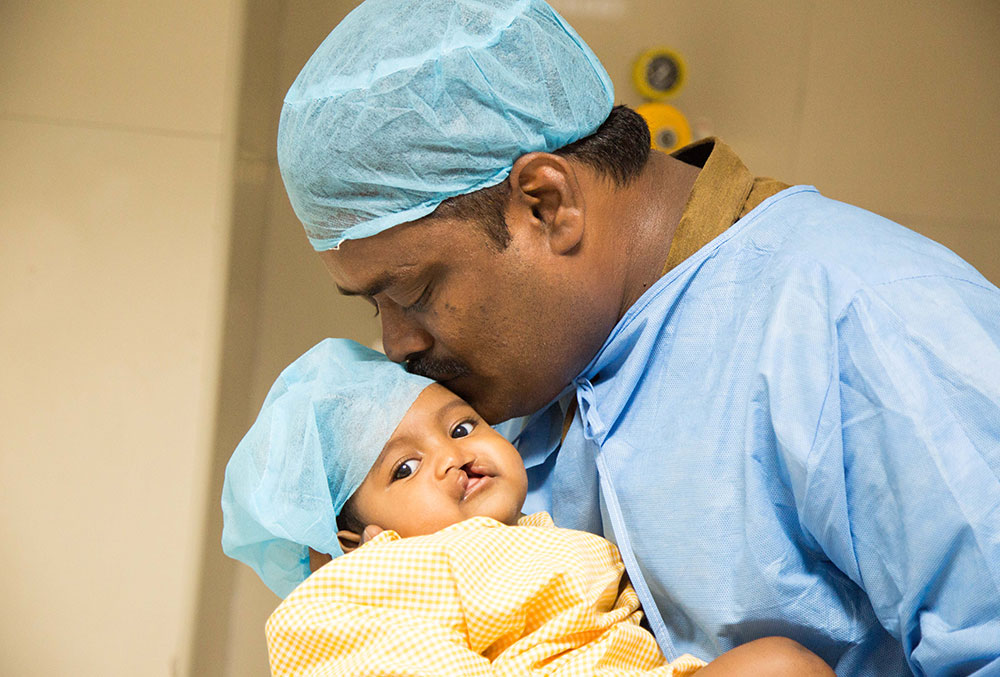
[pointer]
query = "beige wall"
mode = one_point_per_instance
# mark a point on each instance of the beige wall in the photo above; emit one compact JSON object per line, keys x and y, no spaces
{"x":115,"y":170}
{"x":281,"y":301}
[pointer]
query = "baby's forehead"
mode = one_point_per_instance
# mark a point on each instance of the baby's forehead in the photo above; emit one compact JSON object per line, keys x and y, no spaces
{"x":433,"y":411}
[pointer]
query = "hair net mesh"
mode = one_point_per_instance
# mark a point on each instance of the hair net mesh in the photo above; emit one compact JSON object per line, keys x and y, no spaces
{"x":320,"y":430}
{"x":409,"y":102}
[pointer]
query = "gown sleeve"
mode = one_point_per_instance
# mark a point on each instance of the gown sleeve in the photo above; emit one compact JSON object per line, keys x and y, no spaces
{"x":897,"y":475}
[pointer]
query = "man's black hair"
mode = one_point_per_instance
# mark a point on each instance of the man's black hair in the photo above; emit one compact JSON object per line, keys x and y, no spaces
{"x":618,"y":150}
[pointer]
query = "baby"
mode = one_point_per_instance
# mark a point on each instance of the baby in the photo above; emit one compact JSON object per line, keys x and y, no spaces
{"x":351,"y":454}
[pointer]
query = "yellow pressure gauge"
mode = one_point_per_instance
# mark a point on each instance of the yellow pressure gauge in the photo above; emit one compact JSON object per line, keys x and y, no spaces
{"x":668,"y":127}
{"x":658,"y":73}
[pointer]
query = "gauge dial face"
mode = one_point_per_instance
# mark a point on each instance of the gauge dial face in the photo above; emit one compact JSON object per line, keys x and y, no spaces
{"x":658,"y":73}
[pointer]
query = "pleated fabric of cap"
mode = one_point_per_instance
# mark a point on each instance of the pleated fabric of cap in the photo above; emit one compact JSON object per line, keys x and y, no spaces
{"x":321,"y":428}
{"x":409,"y":102}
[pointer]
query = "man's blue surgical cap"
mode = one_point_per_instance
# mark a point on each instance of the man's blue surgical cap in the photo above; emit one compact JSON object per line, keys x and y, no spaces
{"x":320,"y":430}
{"x":409,"y":102}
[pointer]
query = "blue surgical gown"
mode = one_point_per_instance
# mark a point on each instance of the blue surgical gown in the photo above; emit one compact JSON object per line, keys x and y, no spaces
{"x":797,"y":432}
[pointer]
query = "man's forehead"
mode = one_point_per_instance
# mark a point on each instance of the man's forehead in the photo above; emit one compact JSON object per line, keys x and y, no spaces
{"x":368,"y":258}
{"x":393,"y":256}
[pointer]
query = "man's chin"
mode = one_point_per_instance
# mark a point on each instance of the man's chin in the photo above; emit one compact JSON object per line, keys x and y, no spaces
{"x":479,"y":398}
{"x":488,"y":401}
{"x":491,"y":417}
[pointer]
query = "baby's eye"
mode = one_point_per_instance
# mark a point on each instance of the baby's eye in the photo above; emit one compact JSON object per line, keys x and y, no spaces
{"x":404,"y":470}
{"x":462,"y":429}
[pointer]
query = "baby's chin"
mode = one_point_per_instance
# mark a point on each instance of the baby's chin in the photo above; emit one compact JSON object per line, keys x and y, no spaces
{"x":508,"y":517}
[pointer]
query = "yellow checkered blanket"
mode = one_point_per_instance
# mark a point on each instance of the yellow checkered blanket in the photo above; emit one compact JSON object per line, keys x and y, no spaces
{"x":477,"y":598}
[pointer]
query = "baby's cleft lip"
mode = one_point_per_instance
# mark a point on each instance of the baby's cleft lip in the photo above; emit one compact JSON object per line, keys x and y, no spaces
{"x":475,"y":477}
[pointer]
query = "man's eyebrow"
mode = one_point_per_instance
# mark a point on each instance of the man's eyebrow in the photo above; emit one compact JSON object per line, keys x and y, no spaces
{"x":379,"y":285}
{"x":382,"y":282}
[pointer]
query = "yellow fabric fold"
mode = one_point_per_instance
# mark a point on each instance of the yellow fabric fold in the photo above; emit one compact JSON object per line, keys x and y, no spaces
{"x":477,"y":598}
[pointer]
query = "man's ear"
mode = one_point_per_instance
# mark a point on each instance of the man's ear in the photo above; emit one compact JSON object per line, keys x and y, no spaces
{"x":545,"y":196}
{"x":348,"y":540}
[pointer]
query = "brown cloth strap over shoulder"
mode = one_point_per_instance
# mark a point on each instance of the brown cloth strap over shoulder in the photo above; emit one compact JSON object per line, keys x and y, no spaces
{"x":724,"y":192}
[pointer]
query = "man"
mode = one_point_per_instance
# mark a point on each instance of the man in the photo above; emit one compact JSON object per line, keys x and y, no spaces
{"x":784,"y":410}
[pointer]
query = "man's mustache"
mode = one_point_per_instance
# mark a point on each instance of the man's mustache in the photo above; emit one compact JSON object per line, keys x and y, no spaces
{"x":437,"y":368}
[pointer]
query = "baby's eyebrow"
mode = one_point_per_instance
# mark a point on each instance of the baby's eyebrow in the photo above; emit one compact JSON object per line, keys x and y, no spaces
{"x":391,"y":444}
{"x":386,"y":451}
{"x":454,"y":404}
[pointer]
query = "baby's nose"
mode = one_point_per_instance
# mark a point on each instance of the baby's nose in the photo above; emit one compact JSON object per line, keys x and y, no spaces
{"x":453,"y":461}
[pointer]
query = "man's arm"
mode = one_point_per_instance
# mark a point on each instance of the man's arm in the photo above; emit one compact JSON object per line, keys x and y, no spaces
{"x":901,"y":486}
{"x":767,"y":657}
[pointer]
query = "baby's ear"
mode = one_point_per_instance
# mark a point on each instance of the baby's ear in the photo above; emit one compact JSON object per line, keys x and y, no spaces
{"x":351,"y":541}
{"x":370,"y":532}
{"x":348,"y":540}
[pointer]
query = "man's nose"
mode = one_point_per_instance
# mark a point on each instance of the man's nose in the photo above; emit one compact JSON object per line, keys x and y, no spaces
{"x":402,"y":337}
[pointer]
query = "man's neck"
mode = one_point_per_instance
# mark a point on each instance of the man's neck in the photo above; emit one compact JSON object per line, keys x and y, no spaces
{"x":654,"y":204}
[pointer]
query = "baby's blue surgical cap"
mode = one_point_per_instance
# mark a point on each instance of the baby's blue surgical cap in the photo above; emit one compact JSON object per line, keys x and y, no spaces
{"x":320,"y":430}
{"x":409,"y":102}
